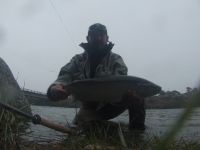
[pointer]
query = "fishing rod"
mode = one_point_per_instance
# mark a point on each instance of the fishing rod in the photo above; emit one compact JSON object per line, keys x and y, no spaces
{"x":62,"y":21}
{"x":37,"y":119}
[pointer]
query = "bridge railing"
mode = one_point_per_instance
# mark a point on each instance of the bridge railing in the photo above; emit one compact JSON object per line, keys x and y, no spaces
{"x":32,"y":91}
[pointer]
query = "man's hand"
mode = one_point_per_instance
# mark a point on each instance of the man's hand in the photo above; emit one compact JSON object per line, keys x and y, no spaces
{"x":57,"y":92}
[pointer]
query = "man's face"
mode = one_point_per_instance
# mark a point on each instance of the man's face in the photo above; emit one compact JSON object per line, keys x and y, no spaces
{"x":97,"y":39}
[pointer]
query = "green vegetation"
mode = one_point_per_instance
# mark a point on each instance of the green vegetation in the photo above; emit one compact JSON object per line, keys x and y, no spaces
{"x":8,"y":129}
{"x":11,"y":126}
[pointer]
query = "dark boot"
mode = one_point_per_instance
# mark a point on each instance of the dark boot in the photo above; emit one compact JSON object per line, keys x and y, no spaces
{"x":137,"y":114}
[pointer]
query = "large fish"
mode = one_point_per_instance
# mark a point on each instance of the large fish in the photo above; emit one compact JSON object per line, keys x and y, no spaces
{"x":111,"y":88}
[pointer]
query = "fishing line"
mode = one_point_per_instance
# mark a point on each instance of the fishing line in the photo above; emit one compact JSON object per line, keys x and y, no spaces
{"x":61,"y":21}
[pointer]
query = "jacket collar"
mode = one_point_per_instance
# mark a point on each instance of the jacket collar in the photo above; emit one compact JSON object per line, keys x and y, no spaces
{"x":88,"y":49}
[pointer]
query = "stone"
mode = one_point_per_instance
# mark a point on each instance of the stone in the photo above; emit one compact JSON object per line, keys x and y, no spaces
{"x":10,"y":92}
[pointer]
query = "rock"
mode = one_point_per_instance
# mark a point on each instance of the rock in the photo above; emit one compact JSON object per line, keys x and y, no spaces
{"x":10,"y":91}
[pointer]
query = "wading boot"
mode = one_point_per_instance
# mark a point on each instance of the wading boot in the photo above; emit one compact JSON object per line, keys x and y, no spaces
{"x":137,"y":115}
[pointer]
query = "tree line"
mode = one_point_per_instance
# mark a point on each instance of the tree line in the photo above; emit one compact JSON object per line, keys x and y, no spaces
{"x":171,"y":99}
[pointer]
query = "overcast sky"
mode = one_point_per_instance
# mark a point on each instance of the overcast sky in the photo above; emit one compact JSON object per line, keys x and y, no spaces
{"x":158,"y":40}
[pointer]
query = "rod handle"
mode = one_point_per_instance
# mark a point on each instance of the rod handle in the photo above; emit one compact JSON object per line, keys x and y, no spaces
{"x":47,"y":123}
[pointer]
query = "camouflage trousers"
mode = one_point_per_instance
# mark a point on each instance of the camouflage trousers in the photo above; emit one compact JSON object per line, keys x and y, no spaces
{"x":135,"y":106}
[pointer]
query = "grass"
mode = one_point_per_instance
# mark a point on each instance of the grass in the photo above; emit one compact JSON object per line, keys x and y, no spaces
{"x":102,"y":136}
{"x":11,"y":126}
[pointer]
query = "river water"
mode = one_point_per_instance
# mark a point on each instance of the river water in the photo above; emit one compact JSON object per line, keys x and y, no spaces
{"x":158,"y":121}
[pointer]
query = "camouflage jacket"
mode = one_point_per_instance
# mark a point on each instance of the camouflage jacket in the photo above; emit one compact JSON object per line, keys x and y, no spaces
{"x":79,"y":66}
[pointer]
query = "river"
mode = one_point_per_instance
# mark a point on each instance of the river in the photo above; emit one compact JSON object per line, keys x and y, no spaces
{"x":158,"y":121}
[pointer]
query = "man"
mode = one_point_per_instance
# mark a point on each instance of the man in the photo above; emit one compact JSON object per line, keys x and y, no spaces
{"x":98,"y":60}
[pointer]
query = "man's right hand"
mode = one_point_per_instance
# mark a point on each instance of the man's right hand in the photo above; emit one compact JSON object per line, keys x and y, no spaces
{"x":57,"y":92}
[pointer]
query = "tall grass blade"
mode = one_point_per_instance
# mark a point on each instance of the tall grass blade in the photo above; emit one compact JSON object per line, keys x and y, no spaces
{"x":170,"y":136}
{"x":122,"y":139}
